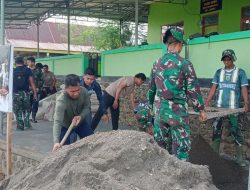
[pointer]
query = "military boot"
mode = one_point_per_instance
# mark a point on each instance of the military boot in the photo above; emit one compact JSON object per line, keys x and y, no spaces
{"x":239,"y":156}
{"x":216,"y":146}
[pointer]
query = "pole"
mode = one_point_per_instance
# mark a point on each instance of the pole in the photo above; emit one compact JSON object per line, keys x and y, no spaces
{"x":9,"y":144}
{"x":38,"y":38}
{"x":136,"y":22}
{"x":2,"y":43}
{"x":68,"y":15}
{"x":2,"y":23}
{"x":9,"y":115}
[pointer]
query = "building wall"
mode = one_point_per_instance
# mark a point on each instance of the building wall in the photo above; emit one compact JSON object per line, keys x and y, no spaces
{"x":167,"y":13}
{"x":63,"y":65}
{"x":204,"y":53}
{"x":129,"y":61}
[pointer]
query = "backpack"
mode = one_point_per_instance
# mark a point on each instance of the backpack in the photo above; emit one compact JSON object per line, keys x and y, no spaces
{"x":19,"y":78}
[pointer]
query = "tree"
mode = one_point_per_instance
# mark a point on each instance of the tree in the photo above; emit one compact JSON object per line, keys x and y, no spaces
{"x":106,"y":36}
{"x":109,"y":36}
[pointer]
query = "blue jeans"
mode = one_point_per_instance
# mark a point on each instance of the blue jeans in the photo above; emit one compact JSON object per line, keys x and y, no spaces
{"x":73,"y":135}
{"x":82,"y":130}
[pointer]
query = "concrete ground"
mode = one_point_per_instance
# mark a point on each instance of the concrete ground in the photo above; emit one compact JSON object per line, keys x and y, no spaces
{"x":40,"y":137}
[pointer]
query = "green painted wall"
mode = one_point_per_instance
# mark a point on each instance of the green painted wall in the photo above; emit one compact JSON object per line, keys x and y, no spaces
{"x":206,"y":56}
{"x":204,"y":53}
{"x":167,"y":13}
{"x":63,"y":65}
{"x":130,"y":61}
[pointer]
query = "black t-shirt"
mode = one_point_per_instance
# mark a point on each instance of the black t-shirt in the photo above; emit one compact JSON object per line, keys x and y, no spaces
{"x":21,"y":76}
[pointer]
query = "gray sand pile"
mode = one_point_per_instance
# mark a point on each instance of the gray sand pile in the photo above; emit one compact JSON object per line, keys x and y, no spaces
{"x":118,"y":160}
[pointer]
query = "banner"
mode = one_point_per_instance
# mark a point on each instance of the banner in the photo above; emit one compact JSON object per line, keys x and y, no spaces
{"x":6,"y":77}
{"x":210,"y":5}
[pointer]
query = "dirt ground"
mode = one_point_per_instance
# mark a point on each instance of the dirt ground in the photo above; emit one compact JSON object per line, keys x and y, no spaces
{"x":119,"y":160}
{"x":226,"y":174}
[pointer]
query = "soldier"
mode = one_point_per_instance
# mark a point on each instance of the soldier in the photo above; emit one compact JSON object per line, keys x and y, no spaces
{"x":144,"y":117}
{"x":38,"y":78}
{"x":22,"y":78}
{"x":232,"y":83}
{"x":173,"y":81}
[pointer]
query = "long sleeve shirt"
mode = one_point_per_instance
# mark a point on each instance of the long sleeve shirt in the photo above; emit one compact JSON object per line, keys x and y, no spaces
{"x":67,"y":108}
{"x":95,"y":88}
{"x":172,"y":83}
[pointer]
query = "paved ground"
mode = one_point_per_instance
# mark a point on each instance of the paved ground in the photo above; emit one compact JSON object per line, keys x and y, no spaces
{"x":39,"y":138}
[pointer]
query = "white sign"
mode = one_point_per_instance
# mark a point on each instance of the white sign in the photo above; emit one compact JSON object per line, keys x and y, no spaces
{"x":6,"y":77}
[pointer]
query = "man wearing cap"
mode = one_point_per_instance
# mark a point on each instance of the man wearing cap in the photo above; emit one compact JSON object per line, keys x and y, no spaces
{"x":173,"y":81}
{"x":22,"y":78}
{"x":39,"y":80}
{"x":231,"y":82}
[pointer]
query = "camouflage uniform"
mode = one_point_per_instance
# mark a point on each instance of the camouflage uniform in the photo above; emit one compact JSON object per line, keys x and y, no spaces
{"x":172,"y":82}
{"x":39,"y":80}
{"x":21,"y":108}
{"x":144,"y":118}
{"x":21,"y":95}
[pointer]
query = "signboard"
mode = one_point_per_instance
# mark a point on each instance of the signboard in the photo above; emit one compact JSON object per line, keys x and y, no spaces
{"x":210,"y":6}
{"x":6,"y":77}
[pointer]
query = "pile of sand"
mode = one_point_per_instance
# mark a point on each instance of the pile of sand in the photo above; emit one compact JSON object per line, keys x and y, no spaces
{"x":119,"y":160}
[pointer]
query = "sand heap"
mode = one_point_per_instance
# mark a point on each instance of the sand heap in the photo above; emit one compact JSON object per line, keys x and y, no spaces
{"x":118,"y":160}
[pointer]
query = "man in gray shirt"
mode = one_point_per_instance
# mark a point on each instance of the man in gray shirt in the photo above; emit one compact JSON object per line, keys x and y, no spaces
{"x":73,"y":105}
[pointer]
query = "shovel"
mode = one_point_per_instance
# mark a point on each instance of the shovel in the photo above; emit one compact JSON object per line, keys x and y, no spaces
{"x":72,"y":125}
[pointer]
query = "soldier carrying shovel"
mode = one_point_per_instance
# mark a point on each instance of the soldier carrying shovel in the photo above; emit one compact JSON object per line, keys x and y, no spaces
{"x":231,"y":82}
{"x":173,"y":81}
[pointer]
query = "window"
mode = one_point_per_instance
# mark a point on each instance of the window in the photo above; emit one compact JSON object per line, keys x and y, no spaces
{"x":165,"y":27}
{"x":210,"y":23}
{"x":245,"y":18}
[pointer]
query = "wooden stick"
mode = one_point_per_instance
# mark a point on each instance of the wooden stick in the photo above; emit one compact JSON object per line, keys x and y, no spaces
{"x":9,"y":144}
{"x":218,"y":112}
{"x":72,"y":125}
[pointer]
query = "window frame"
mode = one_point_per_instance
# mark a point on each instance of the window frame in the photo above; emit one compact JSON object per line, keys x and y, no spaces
{"x":243,"y":19}
{"x":178,"y":23}
{"x":203,"y":21}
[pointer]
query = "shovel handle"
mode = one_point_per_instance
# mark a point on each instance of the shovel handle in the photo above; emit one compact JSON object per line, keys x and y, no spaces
{"x":72,"y":125}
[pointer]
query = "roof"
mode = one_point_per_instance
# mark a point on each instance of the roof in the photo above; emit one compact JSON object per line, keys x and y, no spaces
{"x":48,"y":33}
{"x":21,"y":45}
{"x":22,"y":14}
{"x":51,"y":38}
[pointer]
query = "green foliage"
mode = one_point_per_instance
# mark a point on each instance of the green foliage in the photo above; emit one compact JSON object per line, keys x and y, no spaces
{"x":102,"y":37}
{"x":107,"y":37}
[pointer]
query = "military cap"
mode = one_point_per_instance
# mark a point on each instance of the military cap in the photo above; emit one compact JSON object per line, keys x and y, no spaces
{"x":229,"y":53}
{"x":177,"y":34}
